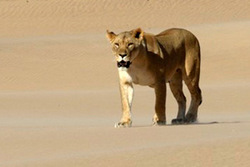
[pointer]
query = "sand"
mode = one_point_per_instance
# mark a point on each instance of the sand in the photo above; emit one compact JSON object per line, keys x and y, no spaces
{"x":59,"y":95}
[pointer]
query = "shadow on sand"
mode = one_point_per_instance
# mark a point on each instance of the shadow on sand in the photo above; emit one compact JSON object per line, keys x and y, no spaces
{"x":191,"y":124}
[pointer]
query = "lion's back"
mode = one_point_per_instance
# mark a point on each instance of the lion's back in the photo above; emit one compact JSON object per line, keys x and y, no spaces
{"x":175,"y":33}
{"x":176,"y":38}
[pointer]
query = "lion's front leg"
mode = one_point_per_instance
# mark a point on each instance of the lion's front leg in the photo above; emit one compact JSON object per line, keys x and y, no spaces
{"x":160,"y":93}
{"x":126,"y":90}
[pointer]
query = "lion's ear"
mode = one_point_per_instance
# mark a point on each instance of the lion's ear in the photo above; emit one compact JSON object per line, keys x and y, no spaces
{"x":138,"y":33}
{"x":110,"y":35}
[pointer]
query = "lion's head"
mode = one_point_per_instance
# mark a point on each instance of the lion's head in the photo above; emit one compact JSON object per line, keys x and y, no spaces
{"x":125,"y":46}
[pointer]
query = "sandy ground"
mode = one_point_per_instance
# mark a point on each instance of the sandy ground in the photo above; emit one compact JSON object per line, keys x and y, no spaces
{"x":59,"y":95}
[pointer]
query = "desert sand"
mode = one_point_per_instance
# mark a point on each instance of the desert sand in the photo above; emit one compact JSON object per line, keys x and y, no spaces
{"x":59,"y":95}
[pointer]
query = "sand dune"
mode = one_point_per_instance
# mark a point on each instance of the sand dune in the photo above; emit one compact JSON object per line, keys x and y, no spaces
{"x":74,"y":17}
{"x":59,"y":93}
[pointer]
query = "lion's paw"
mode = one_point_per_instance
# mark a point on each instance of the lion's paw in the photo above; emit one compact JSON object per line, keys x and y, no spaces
{"x":159,"y":123}
{"x":190,"y":118}
{"x":178,"y":121}
{"x":123,"y":124}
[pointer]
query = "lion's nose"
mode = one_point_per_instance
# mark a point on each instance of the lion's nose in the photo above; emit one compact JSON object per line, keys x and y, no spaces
{"x":123,"y":55}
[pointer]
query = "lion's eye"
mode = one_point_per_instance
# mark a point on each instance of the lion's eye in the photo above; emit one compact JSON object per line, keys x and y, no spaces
{"x":130,"y":45}
{"x":117,"y":45}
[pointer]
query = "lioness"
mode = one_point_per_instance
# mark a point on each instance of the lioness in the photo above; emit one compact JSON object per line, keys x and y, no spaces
{"x":154,"y":60}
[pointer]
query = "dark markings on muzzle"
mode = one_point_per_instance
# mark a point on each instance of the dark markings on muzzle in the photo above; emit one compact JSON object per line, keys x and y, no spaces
{"x":123,"y":64}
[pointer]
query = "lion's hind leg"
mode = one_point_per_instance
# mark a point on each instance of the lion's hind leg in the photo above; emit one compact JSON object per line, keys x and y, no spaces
{"x":176,"y":88}
{"x":191,"y":77}
{"x":195,"y":102}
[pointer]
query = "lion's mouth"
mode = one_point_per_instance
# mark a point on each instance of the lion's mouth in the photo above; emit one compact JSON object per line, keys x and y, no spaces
{"x":123,"y":63}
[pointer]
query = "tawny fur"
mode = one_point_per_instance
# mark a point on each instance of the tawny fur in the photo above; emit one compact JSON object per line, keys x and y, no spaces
{"x":173,"y":56}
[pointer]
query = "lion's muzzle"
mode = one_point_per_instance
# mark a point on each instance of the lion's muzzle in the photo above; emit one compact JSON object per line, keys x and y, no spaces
{"x":123,"y":63}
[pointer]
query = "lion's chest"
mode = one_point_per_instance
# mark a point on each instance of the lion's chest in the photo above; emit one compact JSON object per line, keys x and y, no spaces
{"x":141,"y":77}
